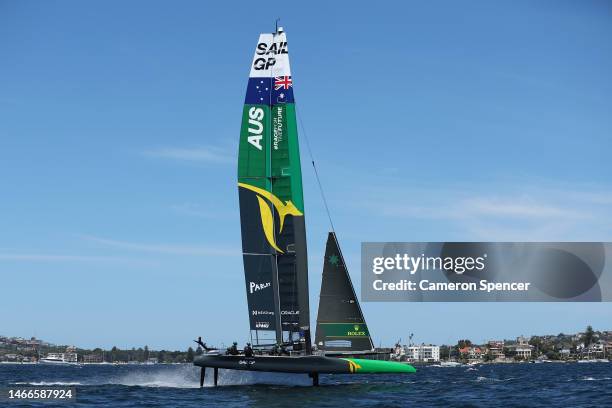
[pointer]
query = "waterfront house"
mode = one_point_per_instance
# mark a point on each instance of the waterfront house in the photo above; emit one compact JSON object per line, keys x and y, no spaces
{"x":92,"y":358}
{"x":472,"y":354}
{"x":521,"y":350}
{"x":495,"y":350}
{"x":423,"y":353}
{"x":565,"y":353}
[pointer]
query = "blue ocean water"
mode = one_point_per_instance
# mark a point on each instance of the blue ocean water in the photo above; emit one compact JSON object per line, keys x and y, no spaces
{"x":493,"y":385}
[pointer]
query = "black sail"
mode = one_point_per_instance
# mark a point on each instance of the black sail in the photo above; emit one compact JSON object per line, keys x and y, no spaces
{"x":340,"y":323}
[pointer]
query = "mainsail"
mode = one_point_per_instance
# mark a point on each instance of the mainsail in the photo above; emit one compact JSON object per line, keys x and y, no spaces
{"x":271,"y":200}
{"x":340,"y":323}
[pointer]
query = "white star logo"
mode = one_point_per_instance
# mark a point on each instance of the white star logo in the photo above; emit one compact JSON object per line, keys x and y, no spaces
{"x":282,"y":95}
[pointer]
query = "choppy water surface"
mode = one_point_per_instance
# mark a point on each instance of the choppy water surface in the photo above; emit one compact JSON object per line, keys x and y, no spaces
{"x":575,"y":385}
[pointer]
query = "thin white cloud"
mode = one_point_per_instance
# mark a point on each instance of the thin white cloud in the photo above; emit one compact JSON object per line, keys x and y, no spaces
{"x":597,"y":197}
{"x":32,"y":257}
{"x":518,"y":208}
{"x":459,"y":205}
{"x":201,"y":154}
{"x":171,"y":249}
{"x":525,"y":212}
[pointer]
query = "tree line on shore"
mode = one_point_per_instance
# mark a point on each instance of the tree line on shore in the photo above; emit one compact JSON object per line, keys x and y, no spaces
{"x":141,"y":355}
{"x":117,"y":355}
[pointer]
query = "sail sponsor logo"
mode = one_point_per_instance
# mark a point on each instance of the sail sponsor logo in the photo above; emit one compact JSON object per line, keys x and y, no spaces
{"x":290,"y":312}
{"x":267,"y":218}
{"x":267,"y":53}
{"x":277,"y":127}
{"x":262,"y":325}
{"x":356,"y":331}
{"x":262,"y":313}
{"x":345,"y":329}
{"x":255,"y":128}
{"x":255,"y":287}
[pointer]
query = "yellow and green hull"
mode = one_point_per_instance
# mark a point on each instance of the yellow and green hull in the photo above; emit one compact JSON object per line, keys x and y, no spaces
{"x":303,"y":364}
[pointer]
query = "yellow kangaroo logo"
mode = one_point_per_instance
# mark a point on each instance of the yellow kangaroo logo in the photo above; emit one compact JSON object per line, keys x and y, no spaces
{"x":353,"y":366}
{"x":267,"y":219}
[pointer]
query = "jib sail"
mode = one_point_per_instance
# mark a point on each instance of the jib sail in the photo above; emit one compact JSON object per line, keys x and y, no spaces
{"x":340,"y":323}
{"x":271,"y":200}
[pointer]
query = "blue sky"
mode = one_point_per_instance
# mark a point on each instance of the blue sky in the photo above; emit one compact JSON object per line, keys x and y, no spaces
{"x":429,"y":121}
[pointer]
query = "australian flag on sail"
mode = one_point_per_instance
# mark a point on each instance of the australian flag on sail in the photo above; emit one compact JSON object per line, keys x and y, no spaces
{"x":269,"y":91}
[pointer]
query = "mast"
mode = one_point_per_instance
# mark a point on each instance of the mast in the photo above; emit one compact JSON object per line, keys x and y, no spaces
{"x":271,"y":200}
{"x":275,"y":280}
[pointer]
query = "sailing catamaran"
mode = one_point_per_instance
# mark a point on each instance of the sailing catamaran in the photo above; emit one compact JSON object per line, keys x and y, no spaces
{"x":274,"y":245}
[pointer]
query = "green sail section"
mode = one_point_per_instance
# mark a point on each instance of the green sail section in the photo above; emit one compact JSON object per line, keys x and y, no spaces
{"x":254,"y":150}
{"x":286,"y":168}
{"x":272,"y":202}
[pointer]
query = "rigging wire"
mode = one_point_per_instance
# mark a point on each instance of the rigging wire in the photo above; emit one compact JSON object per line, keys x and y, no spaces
{"x":314,"y":166}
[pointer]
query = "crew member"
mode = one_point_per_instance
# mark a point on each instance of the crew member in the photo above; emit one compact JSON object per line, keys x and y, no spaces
{"x":233,"y":350}
{"x":248,"y":350}
{"x":200,"y":343}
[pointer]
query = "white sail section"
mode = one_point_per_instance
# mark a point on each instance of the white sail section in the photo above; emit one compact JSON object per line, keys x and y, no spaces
{"x":271,"y":57}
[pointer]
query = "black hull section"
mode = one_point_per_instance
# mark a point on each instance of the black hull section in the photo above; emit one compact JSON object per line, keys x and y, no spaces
{"x":281,"y":364}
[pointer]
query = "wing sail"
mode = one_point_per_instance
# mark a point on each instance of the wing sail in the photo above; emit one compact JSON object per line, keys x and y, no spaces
{"x":271,"y":199}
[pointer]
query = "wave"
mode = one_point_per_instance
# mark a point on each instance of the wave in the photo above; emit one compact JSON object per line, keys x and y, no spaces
{"x":486,"y":379}
{"x":177,"y":377}
{"x":595,"y":379}
{"x":446,"y":366}
{"x":183,"y":377}
{"x":189,"y":377}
